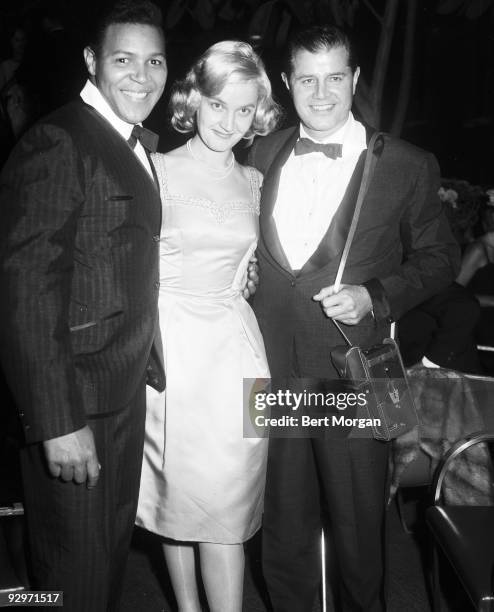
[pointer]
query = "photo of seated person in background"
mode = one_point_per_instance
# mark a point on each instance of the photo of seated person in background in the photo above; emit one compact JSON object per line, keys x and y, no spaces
{"x":477,"y":276}
{"x":479,"y":255}
{"x":440,"y":331}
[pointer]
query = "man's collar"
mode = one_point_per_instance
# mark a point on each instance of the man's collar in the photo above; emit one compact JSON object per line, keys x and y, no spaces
{"x":337,"y":136}
{"x":351,"y":135}
{"x":91,"y":95}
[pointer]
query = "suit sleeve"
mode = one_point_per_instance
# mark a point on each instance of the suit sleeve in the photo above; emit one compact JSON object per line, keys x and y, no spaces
{"x":251,"y":156}
{"x":430,"y":254}
{"x":41,"y":196}
{"x":257,"y":157}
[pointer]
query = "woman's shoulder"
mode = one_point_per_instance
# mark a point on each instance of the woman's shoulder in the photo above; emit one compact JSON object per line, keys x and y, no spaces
{"x":171,"y":158}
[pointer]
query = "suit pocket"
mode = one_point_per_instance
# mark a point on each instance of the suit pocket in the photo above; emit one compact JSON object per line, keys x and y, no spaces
{"x":119,"y":198}
{"x":83,"y":326}
{"x":96,"y":334}
{"x":99,"y":220}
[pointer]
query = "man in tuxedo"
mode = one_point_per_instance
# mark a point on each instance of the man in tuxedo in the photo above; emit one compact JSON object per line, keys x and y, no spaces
{"x":402,"y":253}
{"x":80,"y":222}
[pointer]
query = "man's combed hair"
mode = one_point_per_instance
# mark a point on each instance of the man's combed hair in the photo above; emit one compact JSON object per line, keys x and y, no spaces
{"x":319,"y":38}
{"x":222,"y":62}
{"x":142,"y":12}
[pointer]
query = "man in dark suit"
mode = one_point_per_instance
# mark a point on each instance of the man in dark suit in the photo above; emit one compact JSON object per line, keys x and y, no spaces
{"x":80,"y":222}
{"x":402,"y":253}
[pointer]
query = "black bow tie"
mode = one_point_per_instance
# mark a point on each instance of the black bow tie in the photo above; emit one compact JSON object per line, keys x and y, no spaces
{"x":306,"y":145}
{"x":148,"y":139}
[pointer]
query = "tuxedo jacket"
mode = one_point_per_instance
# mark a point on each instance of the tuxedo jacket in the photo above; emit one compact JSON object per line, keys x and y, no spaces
{"x":403,"y":252}
{"x":79,"y":225}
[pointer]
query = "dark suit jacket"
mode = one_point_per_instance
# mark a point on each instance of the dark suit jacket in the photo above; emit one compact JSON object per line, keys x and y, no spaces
{"x":79,"y":226}
{"x":403,"y":252}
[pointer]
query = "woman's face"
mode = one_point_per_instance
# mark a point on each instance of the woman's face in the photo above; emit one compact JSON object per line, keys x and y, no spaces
{"x":224,"y":119}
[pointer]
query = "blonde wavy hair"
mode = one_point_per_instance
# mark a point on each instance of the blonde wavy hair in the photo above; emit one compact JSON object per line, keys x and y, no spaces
{"x":209,"y":75}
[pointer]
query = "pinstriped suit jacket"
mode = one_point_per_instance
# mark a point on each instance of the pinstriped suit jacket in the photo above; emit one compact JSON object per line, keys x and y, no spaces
{"x":79,"y":220}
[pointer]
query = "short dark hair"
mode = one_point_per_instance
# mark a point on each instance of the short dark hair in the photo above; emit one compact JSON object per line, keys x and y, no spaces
{"x":139,"y":12}
{"x":318,"y":38}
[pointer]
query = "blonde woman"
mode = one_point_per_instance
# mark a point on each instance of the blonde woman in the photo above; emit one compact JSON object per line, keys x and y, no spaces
{"x":202,"y":485}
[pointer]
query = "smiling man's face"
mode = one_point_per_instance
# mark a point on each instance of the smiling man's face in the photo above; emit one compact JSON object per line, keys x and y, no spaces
{"x":322,"y":86}
{"x":130,"y":70}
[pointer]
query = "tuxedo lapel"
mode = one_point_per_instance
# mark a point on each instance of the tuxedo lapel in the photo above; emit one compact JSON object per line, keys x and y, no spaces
{"x":153,"y":169}
{"x":269,"y":233}
{"x":333,"y":241}
{"x":120,"y":141}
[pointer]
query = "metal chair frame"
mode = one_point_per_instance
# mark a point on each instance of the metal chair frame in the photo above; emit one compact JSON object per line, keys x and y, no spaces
{"x":16,"y":509}
{"x":486,"y":604}
{"x":424,"y":479}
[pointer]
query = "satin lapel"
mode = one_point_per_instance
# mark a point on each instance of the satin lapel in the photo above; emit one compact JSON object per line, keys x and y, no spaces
{"x":270,"y":185}
{"x":107,"y":125}
{"x":153,"y":170}
{"x":333,"y":241}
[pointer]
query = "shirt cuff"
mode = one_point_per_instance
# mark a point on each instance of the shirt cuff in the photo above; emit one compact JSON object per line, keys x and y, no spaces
{"x":381,"y":310}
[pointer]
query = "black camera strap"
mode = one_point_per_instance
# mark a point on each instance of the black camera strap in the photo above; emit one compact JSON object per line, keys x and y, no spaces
{"x":371,"y":157}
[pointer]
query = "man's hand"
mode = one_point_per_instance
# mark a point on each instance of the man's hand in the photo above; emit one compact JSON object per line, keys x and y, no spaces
{"x":252,"y":278}
{"x":73,"y":457}
{"x":349,"y":305}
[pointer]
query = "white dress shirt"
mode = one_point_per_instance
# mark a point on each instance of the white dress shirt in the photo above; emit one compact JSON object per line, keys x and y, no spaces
{"x":311,"y":188}
{"x":91,"y":95}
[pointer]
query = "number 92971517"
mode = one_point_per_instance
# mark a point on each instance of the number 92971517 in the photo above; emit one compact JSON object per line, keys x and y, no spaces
{"x":32,"y":598}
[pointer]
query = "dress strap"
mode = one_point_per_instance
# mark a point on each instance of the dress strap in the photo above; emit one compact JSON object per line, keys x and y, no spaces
{"x":160,"y":165}
{"x":255,"y":187}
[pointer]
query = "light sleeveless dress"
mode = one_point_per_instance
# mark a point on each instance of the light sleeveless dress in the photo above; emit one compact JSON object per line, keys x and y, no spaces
{"x":201,"y":479}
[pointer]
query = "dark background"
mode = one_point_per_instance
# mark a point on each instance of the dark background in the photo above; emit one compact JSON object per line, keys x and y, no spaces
{"x":448,"y":106}
{"x":450,"y":100}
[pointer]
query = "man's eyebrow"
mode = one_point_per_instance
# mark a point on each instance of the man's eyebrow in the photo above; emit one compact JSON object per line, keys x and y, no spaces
{"x":127,"y":52}
{"x":313,"y":75}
